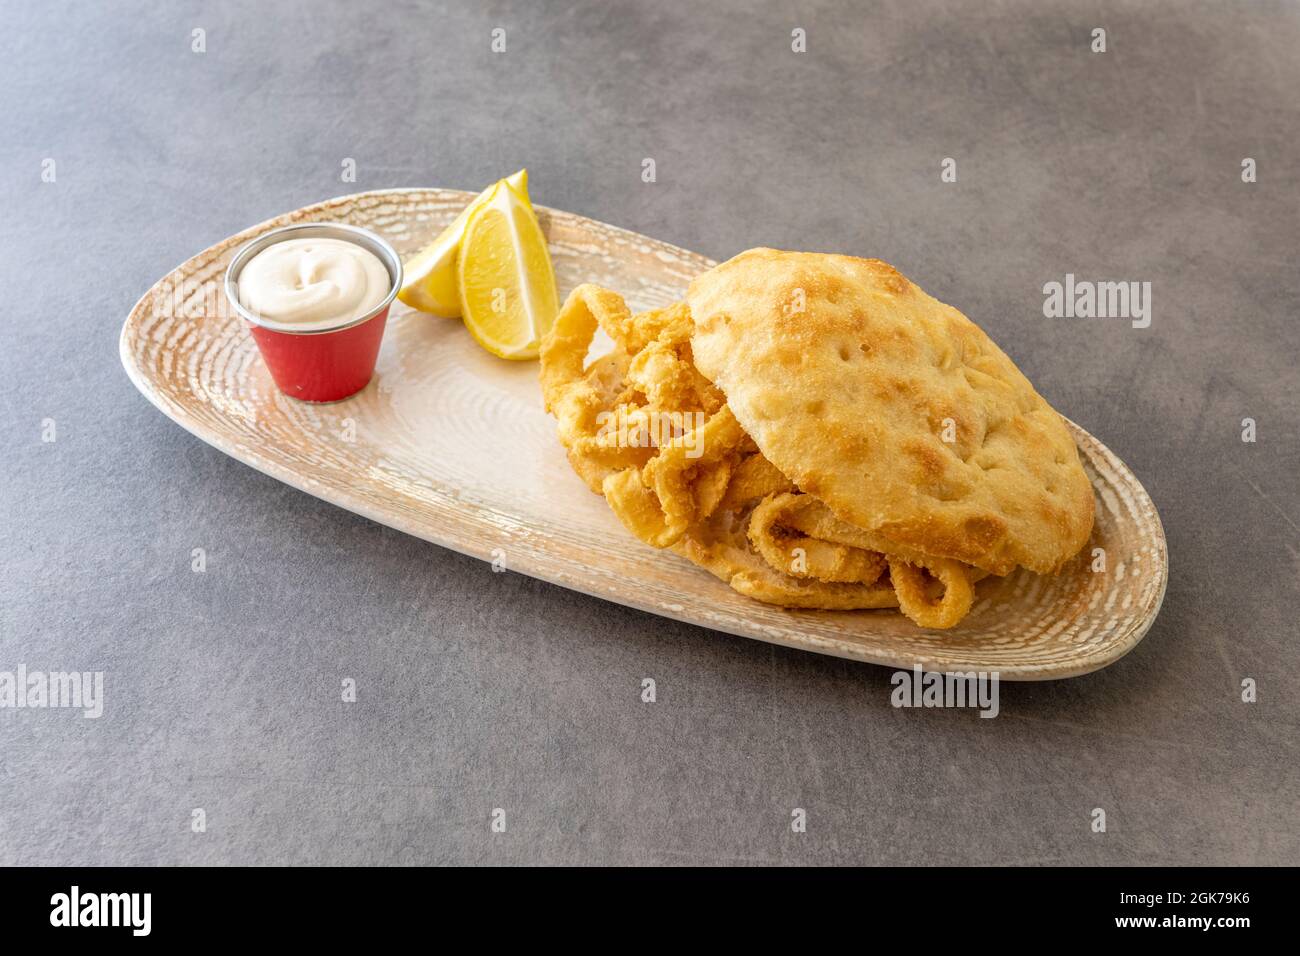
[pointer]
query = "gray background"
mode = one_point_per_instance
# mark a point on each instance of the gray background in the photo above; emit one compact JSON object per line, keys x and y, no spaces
{"x":480,"y":690}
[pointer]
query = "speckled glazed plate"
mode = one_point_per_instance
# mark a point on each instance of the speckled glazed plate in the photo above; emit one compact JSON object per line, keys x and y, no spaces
{"x":452,"y":445}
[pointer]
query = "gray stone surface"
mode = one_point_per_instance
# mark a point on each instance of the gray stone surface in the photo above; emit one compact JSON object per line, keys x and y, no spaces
{"x":478,"y":690}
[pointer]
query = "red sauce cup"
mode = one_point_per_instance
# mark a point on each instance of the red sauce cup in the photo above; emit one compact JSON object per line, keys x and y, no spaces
{"x":319,"y":365}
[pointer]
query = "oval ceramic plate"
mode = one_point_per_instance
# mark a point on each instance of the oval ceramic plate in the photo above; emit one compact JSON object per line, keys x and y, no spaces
{"x":452,"y":445}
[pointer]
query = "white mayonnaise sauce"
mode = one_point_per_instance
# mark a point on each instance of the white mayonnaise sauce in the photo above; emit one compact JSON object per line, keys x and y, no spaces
{"x":313,"y":283}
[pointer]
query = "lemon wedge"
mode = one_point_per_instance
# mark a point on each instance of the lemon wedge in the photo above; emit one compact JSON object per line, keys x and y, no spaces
{"x":508,"y":297}
{"x":430,"y":277}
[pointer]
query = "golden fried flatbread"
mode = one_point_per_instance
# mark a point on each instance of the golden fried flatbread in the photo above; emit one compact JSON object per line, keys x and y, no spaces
{"x":893,"y":409}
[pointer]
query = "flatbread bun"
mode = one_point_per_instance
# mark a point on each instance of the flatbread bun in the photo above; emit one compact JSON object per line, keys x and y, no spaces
{"x":894,"y":409}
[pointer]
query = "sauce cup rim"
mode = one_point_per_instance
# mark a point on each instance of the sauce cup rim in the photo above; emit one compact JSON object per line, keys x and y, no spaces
{"x":365,"y":238}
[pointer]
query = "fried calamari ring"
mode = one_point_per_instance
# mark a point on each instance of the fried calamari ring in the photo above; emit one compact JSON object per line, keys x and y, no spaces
{"x":634,"y":332}
{"x":678,"y":464}
{"x":580,"y":398}
{"x":659,"y":469}
{"x":711,"y":486}
{"x":915,"y":590}
{"x":754,"y":479}
{"x":720,"y":546}
{"x":577,"y":396}
{"x":818,"y":521}
{"x":662,"y":367}
{"x":801,"y":556}
{"x":638,"y":508}
{"x":934,"y":592}
{"x":641,"y":510}
{"x":680,"y":485}
{"x":669,"y":379}
{"x":565,"y":386}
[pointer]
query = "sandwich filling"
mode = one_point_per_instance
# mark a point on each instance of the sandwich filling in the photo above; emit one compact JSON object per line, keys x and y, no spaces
{"x":663,"y":442}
